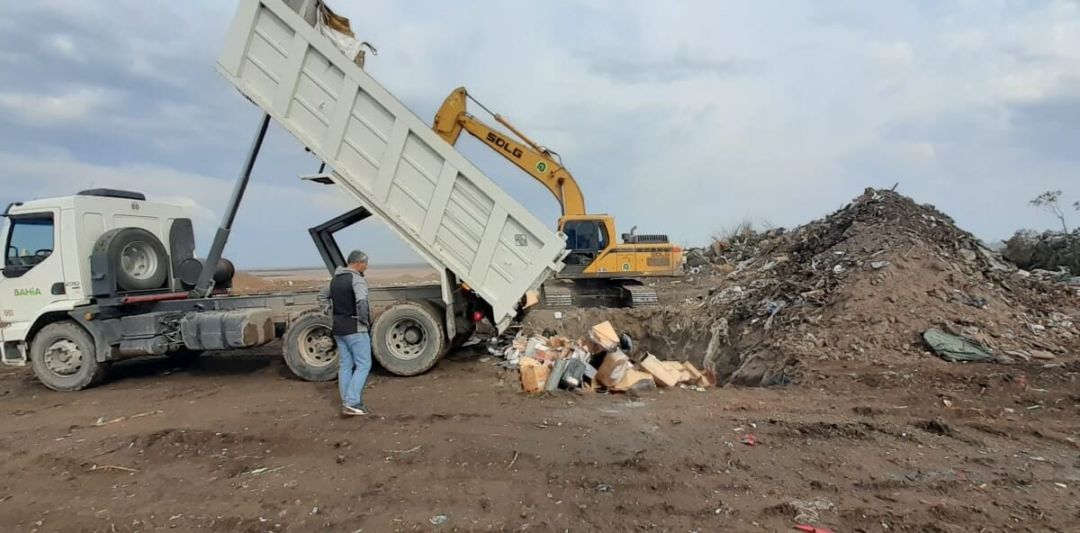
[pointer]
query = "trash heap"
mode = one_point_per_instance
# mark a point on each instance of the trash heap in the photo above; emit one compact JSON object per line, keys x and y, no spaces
{"x":866,"y":283}
{"x":1052,"y":254}
{"x":551,"y":362}
{"x":862,"y":286}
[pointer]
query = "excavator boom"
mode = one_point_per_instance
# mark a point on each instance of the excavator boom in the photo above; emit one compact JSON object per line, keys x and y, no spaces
{"x":537,"y":161}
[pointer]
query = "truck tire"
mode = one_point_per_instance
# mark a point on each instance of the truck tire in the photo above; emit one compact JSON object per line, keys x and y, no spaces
{"x":138,"y":258}
{"x":63,"y":357}
{"x":409,"y":338}
{"x":309,"y":348}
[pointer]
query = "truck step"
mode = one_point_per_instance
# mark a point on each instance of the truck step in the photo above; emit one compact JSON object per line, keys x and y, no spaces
{"x":12,"y":354}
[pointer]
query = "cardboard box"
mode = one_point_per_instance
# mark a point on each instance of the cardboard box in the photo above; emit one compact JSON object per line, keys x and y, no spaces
{"x":695,"y":374}
{"x":531,"y":298}
{"x":634,"y":379}
{"x":665,"y":377}
{"x":678,"y":367}
{"x":604,"y":334}
{"x":612,"y":370}
{"x":534,"y":375}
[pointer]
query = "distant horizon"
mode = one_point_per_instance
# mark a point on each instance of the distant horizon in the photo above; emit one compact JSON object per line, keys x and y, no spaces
{"x":323,"y":267}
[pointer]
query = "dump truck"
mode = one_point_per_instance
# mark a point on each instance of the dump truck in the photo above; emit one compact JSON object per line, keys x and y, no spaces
{"x":104,"y":275}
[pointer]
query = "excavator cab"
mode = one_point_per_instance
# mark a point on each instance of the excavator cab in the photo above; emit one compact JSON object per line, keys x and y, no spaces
{"x":586,"y":239}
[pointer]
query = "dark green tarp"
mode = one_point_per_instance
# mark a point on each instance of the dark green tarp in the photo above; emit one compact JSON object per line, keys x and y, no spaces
{"x":955,"y":349}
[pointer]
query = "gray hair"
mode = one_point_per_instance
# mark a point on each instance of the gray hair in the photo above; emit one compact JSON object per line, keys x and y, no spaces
{"x":356,"y":256}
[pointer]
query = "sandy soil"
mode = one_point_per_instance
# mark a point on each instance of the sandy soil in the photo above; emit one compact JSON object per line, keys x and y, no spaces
{"x":235,"y":443}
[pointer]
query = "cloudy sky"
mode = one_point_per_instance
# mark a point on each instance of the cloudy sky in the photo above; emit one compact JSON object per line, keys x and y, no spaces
{"x":678,"y":117}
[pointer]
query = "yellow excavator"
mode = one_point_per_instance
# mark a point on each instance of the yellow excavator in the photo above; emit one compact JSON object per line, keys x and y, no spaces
{"x":597,"y":267}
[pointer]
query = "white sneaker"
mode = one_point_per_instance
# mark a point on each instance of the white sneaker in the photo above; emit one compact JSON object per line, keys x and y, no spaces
{"x":348,"y":410}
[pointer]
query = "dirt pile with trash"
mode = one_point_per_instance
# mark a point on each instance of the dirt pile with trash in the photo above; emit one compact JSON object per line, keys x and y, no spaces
{"x":863,"y":285}
{"x":1056,"y":254}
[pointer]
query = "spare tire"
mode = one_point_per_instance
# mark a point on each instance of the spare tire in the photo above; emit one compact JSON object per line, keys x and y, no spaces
{"x":137,"y":258}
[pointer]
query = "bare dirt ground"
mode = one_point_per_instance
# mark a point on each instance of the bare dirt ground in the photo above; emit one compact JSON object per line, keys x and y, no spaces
{"x":860,"y":428}
{"x":235,"y":443}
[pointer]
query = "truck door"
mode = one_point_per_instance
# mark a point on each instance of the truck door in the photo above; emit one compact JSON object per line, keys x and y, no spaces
{"x":32,"y":275}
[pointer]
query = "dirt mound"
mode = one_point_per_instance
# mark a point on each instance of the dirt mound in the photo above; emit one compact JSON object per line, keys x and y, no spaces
{"x":859,"y":286}
{"x":244,"y":283}
{"x":1050,"y":250}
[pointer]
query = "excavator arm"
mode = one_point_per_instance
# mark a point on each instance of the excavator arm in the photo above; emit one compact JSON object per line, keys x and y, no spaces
{"x":539,"y":162}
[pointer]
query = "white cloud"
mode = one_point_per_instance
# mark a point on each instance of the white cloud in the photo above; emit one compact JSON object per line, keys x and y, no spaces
{"x":73,"y":106}
{"x":63,"y":45}
{"x":895,"y":53}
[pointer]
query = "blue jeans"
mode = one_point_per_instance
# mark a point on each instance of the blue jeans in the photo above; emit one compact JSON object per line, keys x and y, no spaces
{"x":354,"y":364}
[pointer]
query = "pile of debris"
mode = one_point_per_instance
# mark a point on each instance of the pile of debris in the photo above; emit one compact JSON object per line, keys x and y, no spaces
{"x":1051,"y":254}
{"x":861,"y":286}
{"x":725,"y":252}
{"x":551,"y":362}
{"x":869,"y":281}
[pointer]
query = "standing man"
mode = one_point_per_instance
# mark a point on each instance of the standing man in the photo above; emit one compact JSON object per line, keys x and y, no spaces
{"x":346,"y":297}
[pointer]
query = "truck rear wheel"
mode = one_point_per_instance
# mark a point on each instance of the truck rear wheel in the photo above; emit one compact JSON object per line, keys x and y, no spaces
{"x":310,"y":349}
{"x":63,"y":357}
{"x":409,"y":338}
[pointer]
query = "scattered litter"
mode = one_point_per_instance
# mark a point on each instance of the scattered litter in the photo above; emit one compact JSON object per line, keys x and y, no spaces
{"x":812,"y":529}
{"x":809,"y":511}
{"x":604,"y":487}
{"x":264,"y":470}
{"x":438,"y":519}
{"x":403,"y":452}
{"x":103,"y":422}
{"x":113,"y":467}
{"x":749,"y":439}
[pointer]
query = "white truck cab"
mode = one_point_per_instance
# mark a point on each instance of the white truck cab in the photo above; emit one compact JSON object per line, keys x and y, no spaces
{"x":46,"y":271}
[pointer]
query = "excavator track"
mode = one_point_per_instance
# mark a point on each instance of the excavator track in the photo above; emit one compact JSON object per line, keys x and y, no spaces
{"x":641,"y":295}
{"x":558,"y":295}
{"x":593,"y":293}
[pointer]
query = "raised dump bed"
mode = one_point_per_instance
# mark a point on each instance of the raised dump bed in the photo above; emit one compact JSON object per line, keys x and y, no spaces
{"x":388,"y":158}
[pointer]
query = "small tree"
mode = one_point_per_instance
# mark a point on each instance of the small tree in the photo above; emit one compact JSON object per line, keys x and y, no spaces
{"x":1048,"y":201}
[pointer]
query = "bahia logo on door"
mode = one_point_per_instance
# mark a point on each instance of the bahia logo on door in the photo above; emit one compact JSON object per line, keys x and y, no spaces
{"x":28,"y":292}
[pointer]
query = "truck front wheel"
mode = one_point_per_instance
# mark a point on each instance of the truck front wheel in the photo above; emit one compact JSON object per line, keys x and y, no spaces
{"x":409,"y":338}
{"x":63,"y":357}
